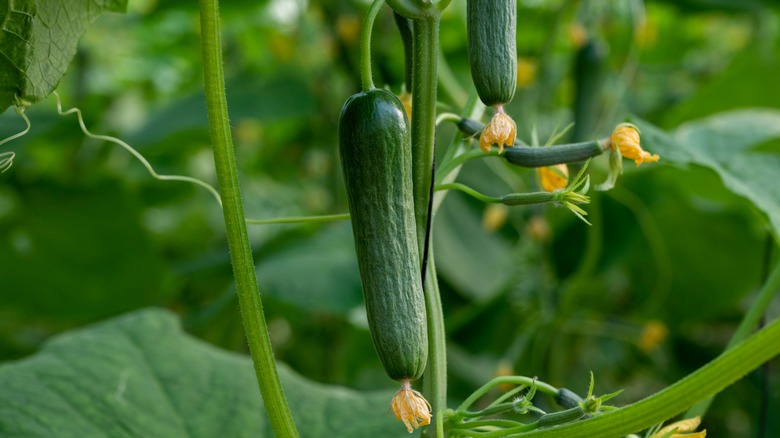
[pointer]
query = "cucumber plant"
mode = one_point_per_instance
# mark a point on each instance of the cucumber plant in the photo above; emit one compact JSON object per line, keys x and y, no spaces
{"x":388,"y":175}
{"x":375,"y":151}
{"x":491,"y":31}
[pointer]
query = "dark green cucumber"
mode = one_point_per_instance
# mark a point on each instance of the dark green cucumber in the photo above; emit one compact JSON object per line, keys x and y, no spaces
{"x":562,"y":417}
{"x":375,"y":150}
{"x":567,"y":399}
{"x":491,"y":29}
{"x":547,"y":156}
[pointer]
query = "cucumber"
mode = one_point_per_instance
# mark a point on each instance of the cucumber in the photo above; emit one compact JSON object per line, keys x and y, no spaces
{"x":492,"y":47}
{"x":551,"y":155}
{"x":567,"y":399}
{"x":562,"y":417}
{"x":375,"y":150}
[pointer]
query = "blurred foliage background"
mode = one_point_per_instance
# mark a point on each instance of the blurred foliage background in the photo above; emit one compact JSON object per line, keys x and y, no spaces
{"x":649,"y":293}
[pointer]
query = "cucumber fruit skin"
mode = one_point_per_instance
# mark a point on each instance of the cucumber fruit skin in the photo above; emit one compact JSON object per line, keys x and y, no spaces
{"x":492,"y":47}
{"x":375,"y":150}
{"x":551,"y":155}
{"x":562,"y":417}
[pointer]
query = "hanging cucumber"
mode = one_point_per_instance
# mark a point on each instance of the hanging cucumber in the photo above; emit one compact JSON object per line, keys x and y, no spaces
{"x":492,"y":47}
{"x":375,"y":150}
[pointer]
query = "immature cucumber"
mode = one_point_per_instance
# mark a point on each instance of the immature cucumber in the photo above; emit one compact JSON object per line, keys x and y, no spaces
{"x":562,"y":417}
{"x":492,"y":47}
{"x":375,"y":150}
{"x":567,"y":399}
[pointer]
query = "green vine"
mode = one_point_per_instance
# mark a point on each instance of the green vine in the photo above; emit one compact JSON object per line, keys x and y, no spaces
{"x":703,"y":383}
{"x":238,"y":240}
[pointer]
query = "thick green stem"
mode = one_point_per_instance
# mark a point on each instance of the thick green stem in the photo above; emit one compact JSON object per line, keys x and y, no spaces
{"x":705,"y":382}
{"x":426,"y":44}
{"x":435,"y":383}
{"x":366,"y":77}
{"x":238,"y":240}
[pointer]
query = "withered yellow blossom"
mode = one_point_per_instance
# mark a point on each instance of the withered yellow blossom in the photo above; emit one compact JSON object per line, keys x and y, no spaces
{"x":681,"y":429}
{"x":501,"y":130}
{"x":552,"y":178}
{"x":411,"y":407}
{"x":626,"y":138}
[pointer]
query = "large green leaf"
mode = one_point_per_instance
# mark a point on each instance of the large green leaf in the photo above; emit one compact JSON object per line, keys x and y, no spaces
{"x":140,"y":375}
{"x":320,"y":274}
{"x":724,"y":143}
{"x":38,"y":38}
{"x":76,"y":254}
{"x":475,"y":262}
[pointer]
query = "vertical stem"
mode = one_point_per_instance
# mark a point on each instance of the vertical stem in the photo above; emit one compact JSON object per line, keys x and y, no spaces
{"x":425,"y":31}
{"x":424,"y":82}
{"x":238,"y":240}
{"x":366,"y":77}
{"x":435,"y":383}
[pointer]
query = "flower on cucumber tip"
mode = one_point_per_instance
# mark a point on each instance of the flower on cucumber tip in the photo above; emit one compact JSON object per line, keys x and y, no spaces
{"x":411,"y":407}
{"x":625,"y":137}
{"x":501,"y":130}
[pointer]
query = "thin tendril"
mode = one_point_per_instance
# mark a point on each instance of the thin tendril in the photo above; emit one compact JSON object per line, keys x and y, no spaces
{"x":299,"y":219}
{"x":134,"y":152}
{"x":7,"y":158}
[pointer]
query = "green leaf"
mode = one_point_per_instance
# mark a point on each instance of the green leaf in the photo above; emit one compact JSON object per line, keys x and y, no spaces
{"x":724,"y":143}
{"x":77,"y":254}
{"x":479,"y":264}
{"x":320,"y":274}
{"x":38,"y":39}
{"x":141,"y":375}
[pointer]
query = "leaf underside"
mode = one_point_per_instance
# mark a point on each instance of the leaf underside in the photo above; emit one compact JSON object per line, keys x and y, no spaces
{"x":38,"y":39}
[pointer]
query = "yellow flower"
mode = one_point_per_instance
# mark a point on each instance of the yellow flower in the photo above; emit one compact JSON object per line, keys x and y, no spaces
{"x":538,"y":229}
{"x":501,"y":130}
{"x":411,"y":407}
{"x":526,"y":72}
{"x":626,"y":138}
{"x":689,"y":425}
{"x":578,"y":35}
{"x":406,"y":100}
{"x":653,"y":334}
{"x":553,"y":178}
{"x":494,"y":217}
{"x":348,"y":28}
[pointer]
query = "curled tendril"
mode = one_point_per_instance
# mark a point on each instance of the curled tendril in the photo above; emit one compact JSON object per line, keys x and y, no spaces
{"x":134,"y":152}
{"x":7,"y":158}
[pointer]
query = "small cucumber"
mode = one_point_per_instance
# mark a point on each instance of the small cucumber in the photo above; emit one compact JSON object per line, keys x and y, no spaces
{"x":562,"y":417}
{"x":375,"y":150}
{"x":551,"y":155}
{"x":567,"y":399}
{"x":491,"y":29}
